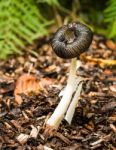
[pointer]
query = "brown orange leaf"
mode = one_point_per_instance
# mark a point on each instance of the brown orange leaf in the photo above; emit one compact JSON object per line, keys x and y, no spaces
{"x":26,"y":84}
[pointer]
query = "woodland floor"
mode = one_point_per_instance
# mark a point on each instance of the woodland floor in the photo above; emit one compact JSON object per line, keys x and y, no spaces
{"x":94,"y":122}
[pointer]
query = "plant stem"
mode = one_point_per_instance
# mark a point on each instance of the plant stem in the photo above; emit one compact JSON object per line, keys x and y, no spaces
{"x":62,"y":107}
{"x":74,"y":102}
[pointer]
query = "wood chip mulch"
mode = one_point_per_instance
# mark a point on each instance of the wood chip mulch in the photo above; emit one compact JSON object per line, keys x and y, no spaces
{"x":94,"y":123}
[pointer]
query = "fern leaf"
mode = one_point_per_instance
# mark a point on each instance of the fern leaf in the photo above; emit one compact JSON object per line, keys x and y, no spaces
{"x":110,"y":18}
{"x":20,"y":23}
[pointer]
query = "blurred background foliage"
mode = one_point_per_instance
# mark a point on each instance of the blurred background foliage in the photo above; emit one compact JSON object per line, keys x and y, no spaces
{"x":23,"y":21}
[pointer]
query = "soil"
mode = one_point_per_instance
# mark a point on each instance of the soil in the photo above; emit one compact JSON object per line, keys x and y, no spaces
{"x":94,"y":122}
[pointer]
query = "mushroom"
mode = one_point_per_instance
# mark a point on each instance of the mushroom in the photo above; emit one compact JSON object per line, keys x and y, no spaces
{"x":69,"y":42}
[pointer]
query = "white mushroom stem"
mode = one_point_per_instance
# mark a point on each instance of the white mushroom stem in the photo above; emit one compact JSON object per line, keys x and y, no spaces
{"x":74,"y":102}
{"x":62,"y":107}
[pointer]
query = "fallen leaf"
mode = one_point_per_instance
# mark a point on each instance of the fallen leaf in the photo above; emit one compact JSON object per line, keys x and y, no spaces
{"x":26,"y":84}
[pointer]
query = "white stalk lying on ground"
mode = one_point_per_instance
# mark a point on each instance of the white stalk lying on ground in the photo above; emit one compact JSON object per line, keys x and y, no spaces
{"x":62,"y":107}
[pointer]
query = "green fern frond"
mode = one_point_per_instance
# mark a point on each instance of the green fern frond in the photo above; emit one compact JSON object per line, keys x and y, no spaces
{"x":49,"y":2}
{"x":20,"y":23}
{"x":110,"y":18}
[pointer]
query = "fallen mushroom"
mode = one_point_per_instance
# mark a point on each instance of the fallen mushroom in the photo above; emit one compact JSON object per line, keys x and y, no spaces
{"x":69,"y":42}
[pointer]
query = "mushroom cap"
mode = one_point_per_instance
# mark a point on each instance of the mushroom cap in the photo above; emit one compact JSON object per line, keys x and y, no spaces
{"x":71,"y":40}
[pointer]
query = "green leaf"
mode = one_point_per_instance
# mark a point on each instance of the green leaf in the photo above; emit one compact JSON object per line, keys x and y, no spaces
{"x":110,"y":18}
{"x":113,"y":30}
{"x":20,"y":23}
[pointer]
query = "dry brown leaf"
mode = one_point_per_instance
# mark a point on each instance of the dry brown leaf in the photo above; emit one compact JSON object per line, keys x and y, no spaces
{"x":99,"y":61}
{"x":26,"y":83}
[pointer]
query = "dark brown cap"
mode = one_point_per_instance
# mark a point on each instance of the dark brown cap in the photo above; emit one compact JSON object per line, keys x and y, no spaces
{"x":71,"y":40}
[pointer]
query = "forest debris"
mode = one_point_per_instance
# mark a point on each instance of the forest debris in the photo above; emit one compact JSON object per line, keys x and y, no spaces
{"x":102,"y":46}
{"x":113,"y":88}
{"x":109,"y":106}
{"x":112,"y":147}
{"x":25,"y":116}
{"x":47,"y":148}
{"x":62,"y":137}
{"x":5,"y":79}
{"x":75,"y":146}
{"x":6,"y":84}
{"x":29,"y":112}
{"x":96,"y":146}
{"x":80,"y":133}
{"x":40,"y":147}
{"x":51,"y":68}
{"x":7,"y":102}
{"x":94,"y":44}
{"x":113,"y":128}
{"x":34,"y":131}
{"x":90,"y":126}
{"x":112,"y":118}
{"x":26,"y":84}
{"x":4,"y":87}
{"x":16,"y":124}
{"x":8,"y":126}
{"x":96,"y":142}
{"x":111,"y":45}
{"x":105,"y":138}
{"x":108,"y":72}
{"x":43,"y":147}
{"x":99,"y":61}
{"x":22,"y":138}
{"x":46,"y":82}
